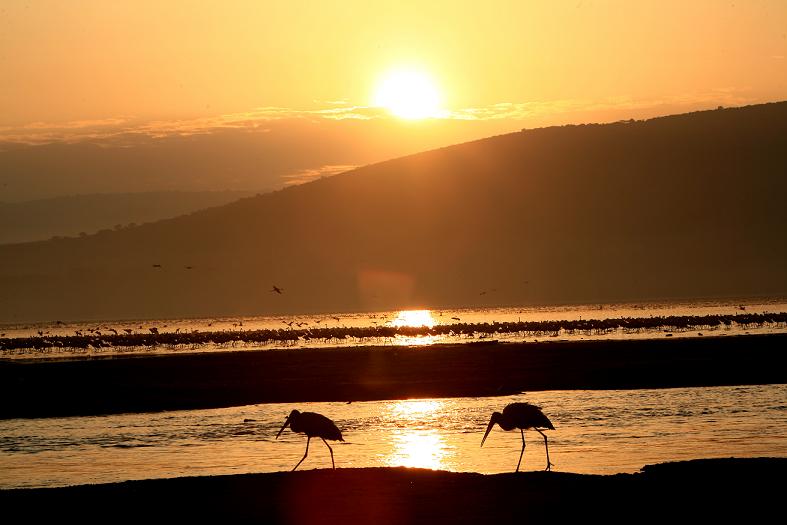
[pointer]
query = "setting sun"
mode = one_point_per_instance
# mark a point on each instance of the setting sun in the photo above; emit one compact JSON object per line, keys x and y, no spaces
{"x":408,"y":94}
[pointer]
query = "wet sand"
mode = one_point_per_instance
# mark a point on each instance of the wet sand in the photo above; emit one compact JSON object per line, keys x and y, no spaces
{"x":139,"y":383}
{"x":702,"y":489}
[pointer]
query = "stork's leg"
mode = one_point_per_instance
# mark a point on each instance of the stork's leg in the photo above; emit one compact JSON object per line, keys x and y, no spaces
{"x":523,"y":449}
{"x":329,"y":448}
{"x":546,"y":445}
{"x":305,"y":453}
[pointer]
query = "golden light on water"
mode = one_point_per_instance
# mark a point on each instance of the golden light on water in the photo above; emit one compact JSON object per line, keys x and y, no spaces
{"x":418,"y":449}
{"x":417,"y":444}
{"x":417,"y":407}
{"x":414,"y":318}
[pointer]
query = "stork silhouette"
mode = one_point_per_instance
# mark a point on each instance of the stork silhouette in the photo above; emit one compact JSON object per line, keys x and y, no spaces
{"x":522,"y":416}
{"x":313,"y":425}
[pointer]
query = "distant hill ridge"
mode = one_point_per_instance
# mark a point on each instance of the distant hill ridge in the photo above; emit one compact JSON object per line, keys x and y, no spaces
{"x":84,"y":214}
{"x":673,"y":207}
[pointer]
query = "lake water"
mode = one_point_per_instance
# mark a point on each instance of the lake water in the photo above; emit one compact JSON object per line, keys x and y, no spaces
{"x":599,"y":432}
{"x":405,"y":318}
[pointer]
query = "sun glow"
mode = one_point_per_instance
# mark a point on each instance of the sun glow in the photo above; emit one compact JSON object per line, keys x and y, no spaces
{"x":413,"y":408}
{"x":408,"y":94}
{"x":419,"y":449}
{"x":416,"y":443}
{"x":414,"y":318}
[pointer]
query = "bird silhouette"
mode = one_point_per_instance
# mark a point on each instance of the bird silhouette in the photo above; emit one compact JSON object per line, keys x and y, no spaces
{"x":277,"y":290}
{"x":522,"y":416}
{"x":313,"y":425}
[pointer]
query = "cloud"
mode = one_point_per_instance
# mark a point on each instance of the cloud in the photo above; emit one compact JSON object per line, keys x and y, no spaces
{"x":128,"y":130}
{"x":257,"y":120}
{"x":308,"y":175}
{"x":77,"y":130}
{"x":539,"y":109}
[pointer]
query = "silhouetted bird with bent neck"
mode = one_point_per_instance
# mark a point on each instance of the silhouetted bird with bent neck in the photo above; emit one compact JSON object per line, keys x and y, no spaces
{"x":313,"y":425}
{"x":522,"y":416}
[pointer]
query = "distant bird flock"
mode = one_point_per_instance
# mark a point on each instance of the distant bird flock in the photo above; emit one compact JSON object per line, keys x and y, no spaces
{"x":294,"y":332}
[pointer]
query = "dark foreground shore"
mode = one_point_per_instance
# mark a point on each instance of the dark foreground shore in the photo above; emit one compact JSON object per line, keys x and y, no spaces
{"x":210,"y":380}
{"x":701,"y":489}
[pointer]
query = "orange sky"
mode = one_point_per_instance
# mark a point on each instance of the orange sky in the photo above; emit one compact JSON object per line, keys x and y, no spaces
{"x":519,"y":63}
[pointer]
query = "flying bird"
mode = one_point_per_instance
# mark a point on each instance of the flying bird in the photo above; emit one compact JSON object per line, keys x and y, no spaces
{"x":313,"y":425}
{"x":277,"y":290}
{"x":522,"y":416}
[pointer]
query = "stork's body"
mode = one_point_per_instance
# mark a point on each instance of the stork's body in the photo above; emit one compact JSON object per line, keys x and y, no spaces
{"x":522,"y":416}
{"x":313,"y":425}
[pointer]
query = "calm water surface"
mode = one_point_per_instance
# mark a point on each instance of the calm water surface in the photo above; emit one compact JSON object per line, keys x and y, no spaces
{"x":414,"y":318}
{"x":598,"y":432}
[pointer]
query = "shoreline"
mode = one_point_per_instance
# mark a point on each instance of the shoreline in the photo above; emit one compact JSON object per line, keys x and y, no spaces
{"x":94,"y":339}
{"x":138,"y":383}
{"x":701,"y":488}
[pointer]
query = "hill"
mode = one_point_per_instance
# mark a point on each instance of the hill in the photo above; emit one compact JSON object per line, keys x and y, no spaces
{"x":675,"y":207}
{"x":83,"y":214}
{"x":257,"y":156}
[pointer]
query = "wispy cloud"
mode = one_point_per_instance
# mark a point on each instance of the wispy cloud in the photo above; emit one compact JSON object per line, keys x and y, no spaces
{"x":76,"y":130}
{"x":308,"y":175}
{"x":128,"y":130}
{"x":256,"y":120}
{"x":539,"y":109}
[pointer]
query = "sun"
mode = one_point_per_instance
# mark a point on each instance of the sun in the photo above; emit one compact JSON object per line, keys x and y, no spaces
{"x":408,"y":94}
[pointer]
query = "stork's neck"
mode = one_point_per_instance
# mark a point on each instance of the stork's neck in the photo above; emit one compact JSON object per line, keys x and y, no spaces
{"x":504,"y":422}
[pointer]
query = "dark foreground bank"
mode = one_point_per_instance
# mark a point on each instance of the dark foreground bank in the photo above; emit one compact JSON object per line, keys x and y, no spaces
{"x":695,"y":489}
{"x":211,"y":380}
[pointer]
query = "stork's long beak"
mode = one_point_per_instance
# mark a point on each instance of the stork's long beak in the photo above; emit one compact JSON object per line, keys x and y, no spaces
{"x":286,"y":422}
{"x":488,"y":429}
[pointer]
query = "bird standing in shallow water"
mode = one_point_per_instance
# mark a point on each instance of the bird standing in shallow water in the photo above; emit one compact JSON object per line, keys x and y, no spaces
{"x":313,"y":425}
{"x":522,"y":416}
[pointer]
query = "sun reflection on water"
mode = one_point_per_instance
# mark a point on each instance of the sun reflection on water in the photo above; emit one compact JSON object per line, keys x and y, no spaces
{"x":417,"y":448}
{"x":416,"y":443}
{"x":414,"y":318}
{"x":410,"y":408}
